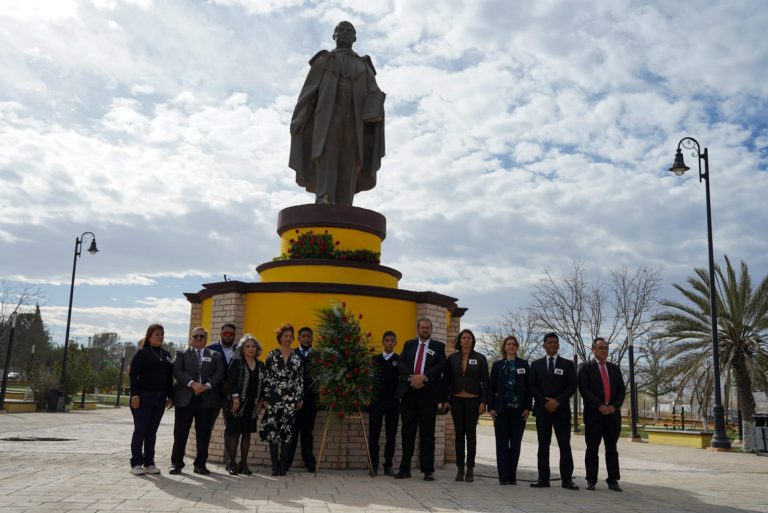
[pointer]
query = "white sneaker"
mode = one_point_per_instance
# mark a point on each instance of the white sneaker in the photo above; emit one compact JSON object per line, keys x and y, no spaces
{"x":137,"y":470}
{"x":151,"y":469}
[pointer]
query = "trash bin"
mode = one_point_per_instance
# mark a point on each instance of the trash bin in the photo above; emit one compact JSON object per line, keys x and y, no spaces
{"x":52,"y":400}
{"x":761,"y":433}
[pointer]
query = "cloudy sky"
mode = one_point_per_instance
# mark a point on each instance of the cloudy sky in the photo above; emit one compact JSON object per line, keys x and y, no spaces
{"x":520,"y":136}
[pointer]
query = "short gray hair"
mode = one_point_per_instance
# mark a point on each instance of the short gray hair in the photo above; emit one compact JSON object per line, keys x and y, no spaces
{"x":424,"y":319}
{"x":250,"y":338}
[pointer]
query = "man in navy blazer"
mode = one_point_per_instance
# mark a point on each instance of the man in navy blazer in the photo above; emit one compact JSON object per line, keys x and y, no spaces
{"x":552,"y":383}
{"x":198,"y":372}
{"x":602,"y":413}
{"x":421,"y":364}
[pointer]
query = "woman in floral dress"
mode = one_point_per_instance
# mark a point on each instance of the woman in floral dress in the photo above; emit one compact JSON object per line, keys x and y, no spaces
{"x":283,"y":392}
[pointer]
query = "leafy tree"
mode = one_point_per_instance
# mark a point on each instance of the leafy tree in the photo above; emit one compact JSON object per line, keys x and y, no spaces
{"x":742,"y":323}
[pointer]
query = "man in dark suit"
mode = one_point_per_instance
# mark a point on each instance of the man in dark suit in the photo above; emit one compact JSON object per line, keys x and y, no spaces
{"x":602,"y":387}
{"x":226,"y":347}
{"x":198,"y":372}
{"x":304,"y":423}
{"x":421,"y":365}
{"x":385,"y":407}
{"x":552,"y":383}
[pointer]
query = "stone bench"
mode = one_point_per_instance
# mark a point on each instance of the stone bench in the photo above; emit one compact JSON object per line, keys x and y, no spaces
{"x":696,"y":439}
{"x":19,"y":406}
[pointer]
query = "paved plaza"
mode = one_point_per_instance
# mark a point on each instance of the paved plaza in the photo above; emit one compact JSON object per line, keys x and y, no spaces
{"x":86,"y":470}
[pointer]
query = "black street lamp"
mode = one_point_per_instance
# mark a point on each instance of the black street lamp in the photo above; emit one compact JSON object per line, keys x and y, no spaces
{"x":7,"y":367}
{"x":92,"y":249}
{"x":120,"y":379}
{"x":720,"y":439}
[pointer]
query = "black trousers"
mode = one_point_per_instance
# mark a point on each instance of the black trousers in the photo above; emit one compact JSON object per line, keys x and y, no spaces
{"x":508,"y":427}
{"x":418,"y":413}
{"x":382,"y":413}
{"x":182,"y":423}
{"x":303,"y":427}
{"x":146,"y":420}
{"x":545,"y":423}
{"x":606,"y":428}
{"x":465,"y":411}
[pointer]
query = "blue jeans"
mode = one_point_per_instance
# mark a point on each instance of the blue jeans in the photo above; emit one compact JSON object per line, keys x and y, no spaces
{"x":146,"y":420}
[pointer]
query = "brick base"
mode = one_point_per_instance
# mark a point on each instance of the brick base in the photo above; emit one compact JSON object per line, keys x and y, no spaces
{"x":351,"y":454}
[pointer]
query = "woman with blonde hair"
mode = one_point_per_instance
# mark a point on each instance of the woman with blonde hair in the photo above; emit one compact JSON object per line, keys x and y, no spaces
{"x":245,"y":377}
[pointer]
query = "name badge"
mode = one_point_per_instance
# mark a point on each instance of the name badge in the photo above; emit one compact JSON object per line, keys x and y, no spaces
{"x":430,"y":352}
{"x":559,"y":372}
{"x":472,"y":362}
{"x":208,"y":359}
{"x":521,"y":371}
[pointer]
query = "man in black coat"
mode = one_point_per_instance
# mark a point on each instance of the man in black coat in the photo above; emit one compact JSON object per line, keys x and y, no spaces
{"x":421,"y":364}
{"x":198,"y":372}
{"x":385,"y":407}
{"x":304,"y":423}
{"x":602,"y":387}
{"x":552,"y":383}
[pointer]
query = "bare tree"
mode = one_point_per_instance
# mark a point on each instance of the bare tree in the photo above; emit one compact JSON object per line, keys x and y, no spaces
{"x":633,"y":300}
{"x":574,"y":309}
{"x":520,"y":323}
{"x":653,"y":376}
{"x":15,"y":298}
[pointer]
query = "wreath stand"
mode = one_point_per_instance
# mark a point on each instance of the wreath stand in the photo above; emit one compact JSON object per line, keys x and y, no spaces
{"x":342,"y":431}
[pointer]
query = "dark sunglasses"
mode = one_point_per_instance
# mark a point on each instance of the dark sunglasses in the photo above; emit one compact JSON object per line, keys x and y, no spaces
{"x":228,"y":333}
{"x":198,"y":337}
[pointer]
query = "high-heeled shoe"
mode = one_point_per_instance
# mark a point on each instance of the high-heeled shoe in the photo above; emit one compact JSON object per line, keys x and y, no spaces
{"x":243,"y":468}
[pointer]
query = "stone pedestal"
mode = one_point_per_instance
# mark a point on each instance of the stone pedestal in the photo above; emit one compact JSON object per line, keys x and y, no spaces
{"x":291,"y":290}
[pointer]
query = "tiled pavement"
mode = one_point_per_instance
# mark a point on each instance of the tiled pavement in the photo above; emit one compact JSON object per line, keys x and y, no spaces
{"x":89,"y":472}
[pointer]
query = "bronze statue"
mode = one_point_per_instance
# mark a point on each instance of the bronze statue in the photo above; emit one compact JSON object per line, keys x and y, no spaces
{"x":337,"y":129}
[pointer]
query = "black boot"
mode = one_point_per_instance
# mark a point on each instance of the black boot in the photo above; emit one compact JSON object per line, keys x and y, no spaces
{"x":274,"y":450}
{"x":460,"y":473}
{"x":285,"y":453}
{"x":470,"y":475}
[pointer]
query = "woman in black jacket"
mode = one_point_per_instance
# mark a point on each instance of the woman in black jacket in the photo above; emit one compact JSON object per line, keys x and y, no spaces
{"x":245,"y":377}
{"x":467,"y":373}
{"x":151,"y":378}
{"x":509,"y":403}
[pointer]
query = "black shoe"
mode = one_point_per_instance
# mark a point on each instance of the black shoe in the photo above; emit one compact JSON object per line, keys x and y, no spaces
{"x":243,"y":469}
{"x":615,"y":487}
{"x":540,"y":484}
{"x":402,"y":475}
{"x":429,"y":476}
{"x":460,"y":473}
{"x":201,"y":470}
{"x":232,"y":469}
{"x":590,"y":485}
{"x":569,"y":485}
{"x":388,"y":471}
{"x":374,"y":472}
{"x":312,"y":469}
{"x":470,"y":476}
{"x":513,"y":482}
{"x":175,"y":469}
{"x":503,"y":483}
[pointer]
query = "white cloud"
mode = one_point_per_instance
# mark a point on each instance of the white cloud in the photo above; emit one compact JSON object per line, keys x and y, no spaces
{"x":519,"y":136}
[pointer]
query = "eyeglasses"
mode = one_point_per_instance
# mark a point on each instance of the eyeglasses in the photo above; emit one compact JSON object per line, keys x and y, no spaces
{"x":228,"y":333}
{"x":199,"y":337}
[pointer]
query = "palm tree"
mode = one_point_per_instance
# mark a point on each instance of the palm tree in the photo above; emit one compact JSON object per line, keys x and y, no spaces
{"x":742,"y":319}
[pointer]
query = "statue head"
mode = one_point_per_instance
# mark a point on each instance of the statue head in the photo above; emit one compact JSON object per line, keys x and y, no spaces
{"x":344,"y":34}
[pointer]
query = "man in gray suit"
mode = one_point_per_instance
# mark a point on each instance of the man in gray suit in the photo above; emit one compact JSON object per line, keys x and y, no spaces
{"x":198,"y":372}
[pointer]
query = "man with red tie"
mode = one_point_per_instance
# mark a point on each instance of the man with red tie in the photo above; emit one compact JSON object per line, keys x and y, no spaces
{"x":602,"y":387}
{"x":420,"y":388}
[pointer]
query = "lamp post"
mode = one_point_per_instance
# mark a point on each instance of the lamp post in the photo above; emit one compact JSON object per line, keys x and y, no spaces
{"x":7,"y":367}
{"x":633,"y":417}
{"x":92,"y":249}
{"x":720,"y":439}
{"x":120,"y":379}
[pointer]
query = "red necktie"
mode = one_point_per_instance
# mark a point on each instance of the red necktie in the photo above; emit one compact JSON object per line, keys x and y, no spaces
{"x":419,"y":359}
{"x":606,"y":383}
